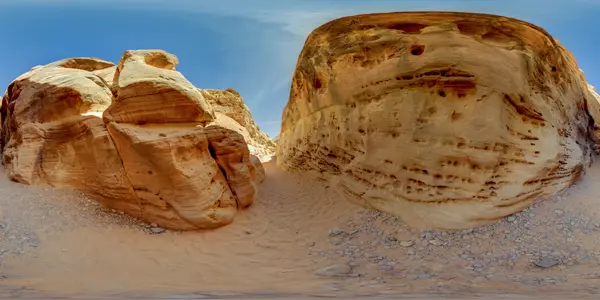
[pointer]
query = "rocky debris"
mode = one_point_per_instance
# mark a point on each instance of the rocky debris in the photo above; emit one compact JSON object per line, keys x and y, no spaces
{"x":145,"y":142}
{"x":35,"y":211}
{"x":384,"y":249}
{"x":368,"y":86}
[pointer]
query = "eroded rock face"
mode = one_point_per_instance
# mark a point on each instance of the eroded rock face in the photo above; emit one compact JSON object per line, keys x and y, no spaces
{"x":593,"y":107}
{"x":231,"y":112}
{"x":448,"y":120}
{"x":149,"y":90}
{"x":138,"y":137}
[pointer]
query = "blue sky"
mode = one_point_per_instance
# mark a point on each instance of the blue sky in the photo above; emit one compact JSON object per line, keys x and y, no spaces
{"x":249,"y":45}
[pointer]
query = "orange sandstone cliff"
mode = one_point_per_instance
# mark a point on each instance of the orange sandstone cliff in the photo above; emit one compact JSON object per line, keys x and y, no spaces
{"x":448,"y":120}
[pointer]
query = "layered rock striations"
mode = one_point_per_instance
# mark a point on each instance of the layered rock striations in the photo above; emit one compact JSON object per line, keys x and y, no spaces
{"x":136,"y":136}
{"x":448,"y":120}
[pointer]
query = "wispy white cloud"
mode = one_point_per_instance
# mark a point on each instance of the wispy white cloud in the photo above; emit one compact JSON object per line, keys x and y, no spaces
{"x":294,"y":20}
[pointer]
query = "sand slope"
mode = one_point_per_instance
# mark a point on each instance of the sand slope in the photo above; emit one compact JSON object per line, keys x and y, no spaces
{"x":56,"y":242}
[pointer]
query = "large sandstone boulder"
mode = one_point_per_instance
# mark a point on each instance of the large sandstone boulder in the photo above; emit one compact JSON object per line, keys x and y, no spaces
{"x":448,"y":120}
{"x":149,"y":90}
{"x":231,"y":112}
{"x":138,"y":137}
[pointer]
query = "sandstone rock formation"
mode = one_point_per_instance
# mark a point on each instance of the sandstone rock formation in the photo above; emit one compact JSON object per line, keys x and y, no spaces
{"x":448,"y":120}
{"x":138,"y":137}
{"x":231,"y":112}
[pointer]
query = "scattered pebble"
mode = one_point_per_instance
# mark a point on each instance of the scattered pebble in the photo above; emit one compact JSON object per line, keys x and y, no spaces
{"x":334,"y":270}
{"x":435,"y":242}
{"x":407,"y":244}
{"x":157,"y":230}
{"x":546,"y":262}
{"x":336,"y":232}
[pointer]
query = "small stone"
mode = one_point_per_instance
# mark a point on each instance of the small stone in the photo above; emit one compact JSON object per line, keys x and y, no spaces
{"x":153,"y":225}
{"x":546,"y":262}
{"x":407,"y":244}
{"x":376,"y":258}
{"x":391,"y":239}
{"x":157,"y":230}
{"x":334,"y":270}
{"x":336,"y":232}
{"x":385,"y":268}
{"x":435,"y":242}
{"x":511,"y":218}
{"x":558,"y":212}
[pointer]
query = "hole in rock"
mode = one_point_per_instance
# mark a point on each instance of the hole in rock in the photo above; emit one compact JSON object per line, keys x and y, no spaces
{"x":417,"y":50}
{"x":317,"y":84}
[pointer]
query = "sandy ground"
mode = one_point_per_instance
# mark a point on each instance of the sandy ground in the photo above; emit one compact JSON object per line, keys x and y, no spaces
{"x":299,"y":238}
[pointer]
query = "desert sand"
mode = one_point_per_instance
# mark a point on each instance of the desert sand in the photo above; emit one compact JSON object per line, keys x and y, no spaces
{"x":60,"y":243}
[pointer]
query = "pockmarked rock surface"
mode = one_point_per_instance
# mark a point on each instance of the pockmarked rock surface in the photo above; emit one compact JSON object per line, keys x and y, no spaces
{"x":137,"y":136}
{"x":448,"y":120}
